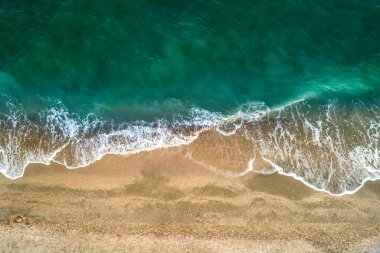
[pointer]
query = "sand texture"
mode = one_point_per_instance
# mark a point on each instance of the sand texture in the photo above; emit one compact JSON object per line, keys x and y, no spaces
{"x":161,"y":201}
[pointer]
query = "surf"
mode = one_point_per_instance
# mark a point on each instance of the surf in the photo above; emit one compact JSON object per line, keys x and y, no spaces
{"x":332,"y":147}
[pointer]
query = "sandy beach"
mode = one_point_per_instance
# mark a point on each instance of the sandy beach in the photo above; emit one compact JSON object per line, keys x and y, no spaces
{"x":161,"y":201}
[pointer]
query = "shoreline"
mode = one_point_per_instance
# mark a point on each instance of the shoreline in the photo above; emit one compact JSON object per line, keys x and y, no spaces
{"x":230,"y":146}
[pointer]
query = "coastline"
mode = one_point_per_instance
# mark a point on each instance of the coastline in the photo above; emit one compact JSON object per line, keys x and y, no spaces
{"x":171,"y":203}
{"x":190,"y":126}
{"x":327,"y":153}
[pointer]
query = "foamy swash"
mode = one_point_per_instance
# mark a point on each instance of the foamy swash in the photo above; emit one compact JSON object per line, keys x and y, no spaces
{"x":333,"y":147}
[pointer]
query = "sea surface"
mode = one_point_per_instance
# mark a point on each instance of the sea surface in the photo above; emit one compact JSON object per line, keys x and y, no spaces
{"x":299,"y":80}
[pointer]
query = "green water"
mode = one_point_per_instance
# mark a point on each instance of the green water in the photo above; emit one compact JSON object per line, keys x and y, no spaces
{"x":150,"y":59}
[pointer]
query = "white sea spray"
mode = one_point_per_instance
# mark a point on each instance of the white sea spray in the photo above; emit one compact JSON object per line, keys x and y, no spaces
{"x":332,"y":147}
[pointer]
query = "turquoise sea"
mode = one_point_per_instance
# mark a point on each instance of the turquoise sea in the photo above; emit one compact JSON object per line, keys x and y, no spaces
{"x":300,"y":79}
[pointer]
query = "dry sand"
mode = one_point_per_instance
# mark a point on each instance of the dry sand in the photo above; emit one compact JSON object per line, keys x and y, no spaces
{"x":163,"y":202}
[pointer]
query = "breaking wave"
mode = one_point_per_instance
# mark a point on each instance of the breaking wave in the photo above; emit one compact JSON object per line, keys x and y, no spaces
{"x":332,"y":147}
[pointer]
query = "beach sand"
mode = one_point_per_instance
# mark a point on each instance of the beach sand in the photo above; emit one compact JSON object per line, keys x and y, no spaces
{"x":161,"y":201}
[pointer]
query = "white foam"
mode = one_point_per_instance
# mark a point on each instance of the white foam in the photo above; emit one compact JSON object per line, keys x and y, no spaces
{"x":222,"y":172}
{"x":317,"y":145}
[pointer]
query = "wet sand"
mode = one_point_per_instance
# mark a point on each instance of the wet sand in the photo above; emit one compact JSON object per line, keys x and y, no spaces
{"x":161,"y":201}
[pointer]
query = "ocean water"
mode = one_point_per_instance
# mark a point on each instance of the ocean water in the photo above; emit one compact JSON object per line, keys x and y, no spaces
{"x":299,"y":80}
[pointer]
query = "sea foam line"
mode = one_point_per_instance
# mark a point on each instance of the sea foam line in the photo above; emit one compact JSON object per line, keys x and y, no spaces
{"x":136,"y":138}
